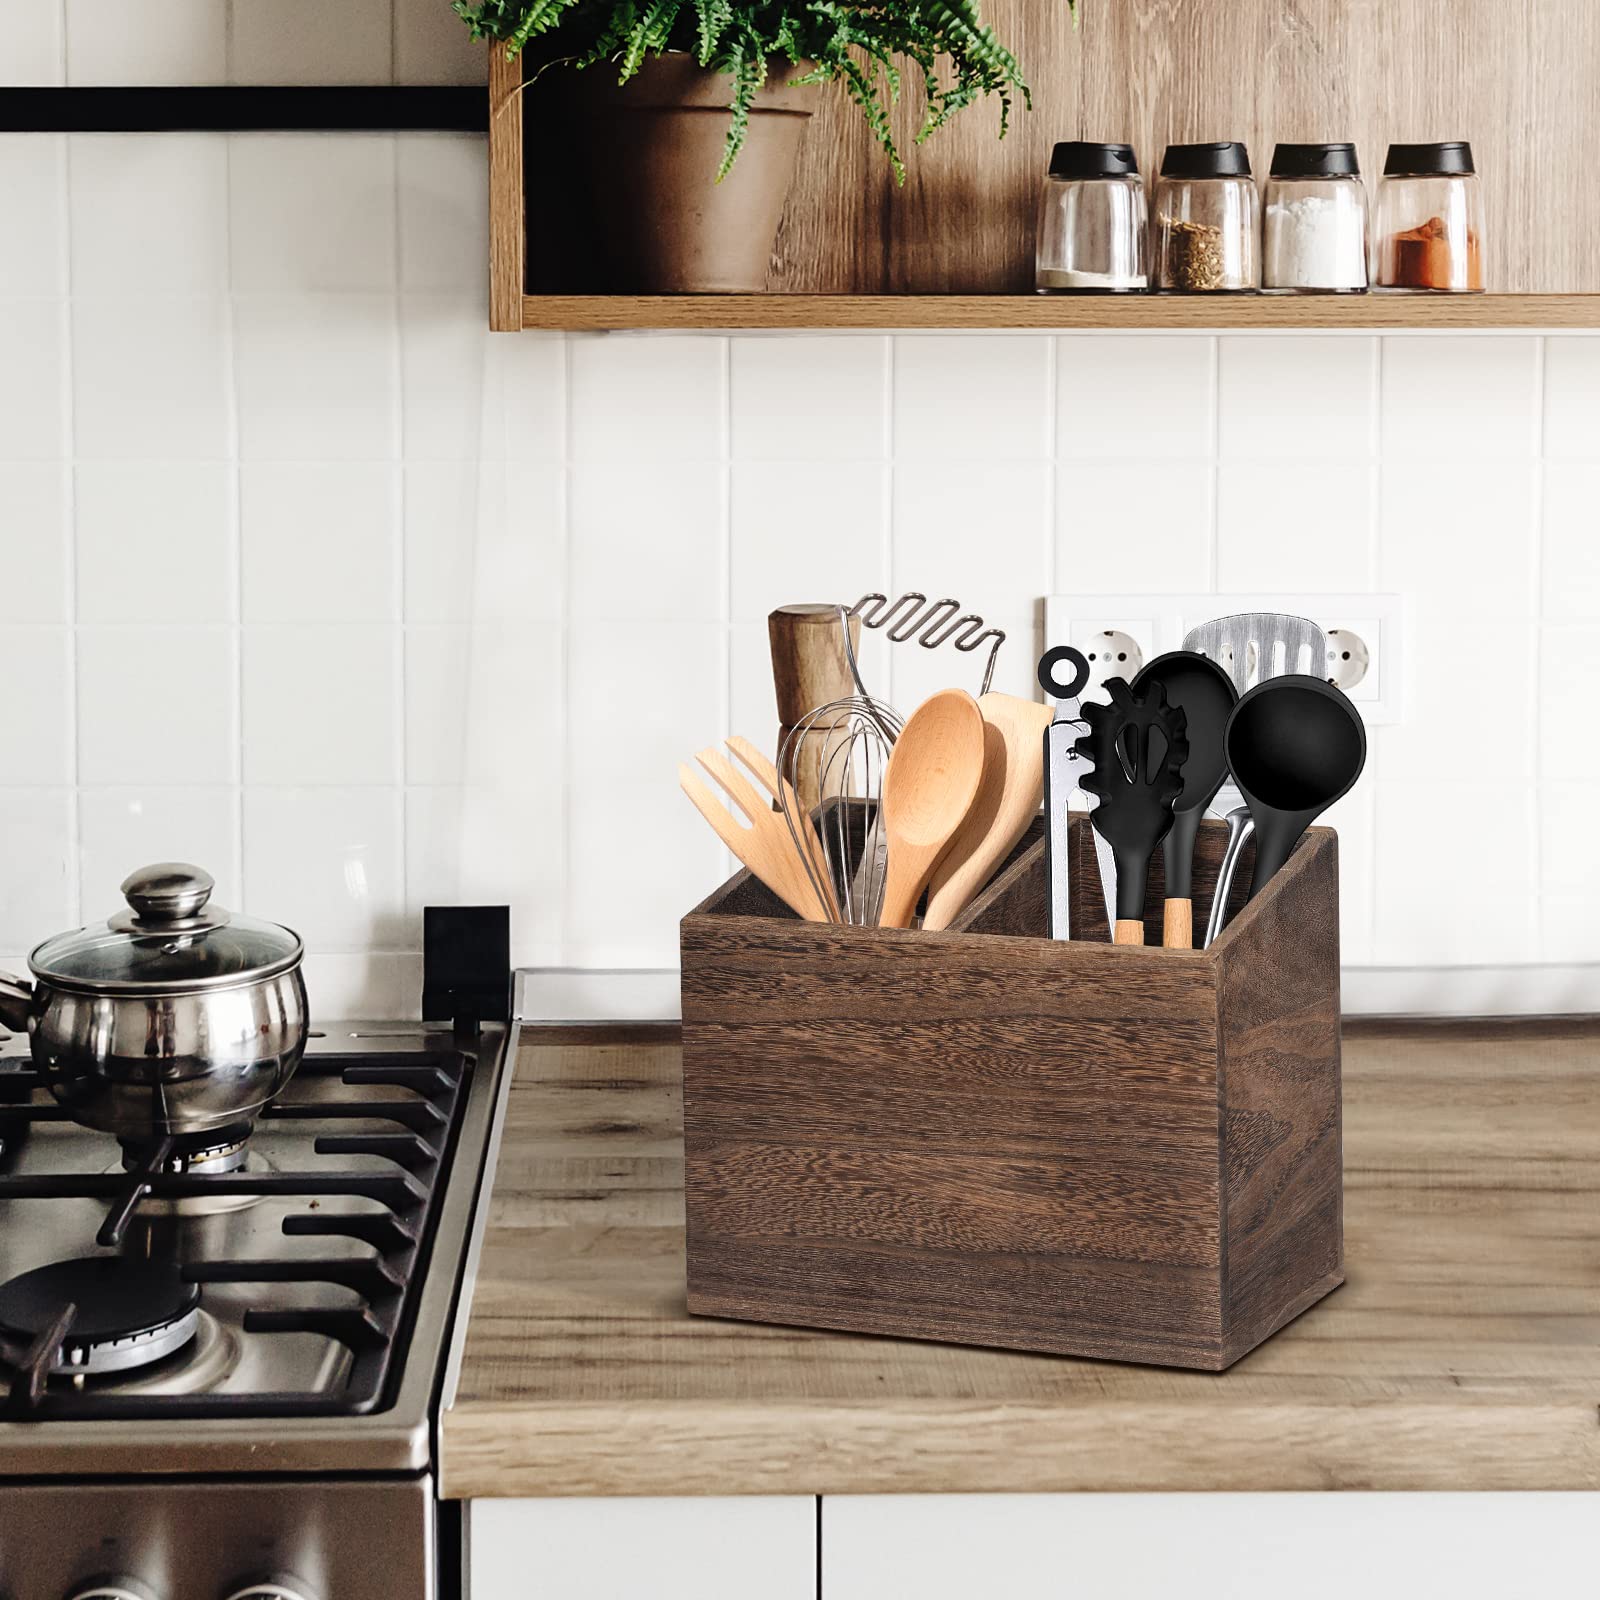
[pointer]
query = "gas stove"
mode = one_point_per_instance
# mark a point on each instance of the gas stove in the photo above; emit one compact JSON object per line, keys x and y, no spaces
{"x":219,"y":1367}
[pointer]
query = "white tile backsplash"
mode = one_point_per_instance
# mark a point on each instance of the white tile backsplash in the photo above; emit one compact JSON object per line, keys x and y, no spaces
{"x":308,"y":41}
{"x":36,"y":539}
{"x":286,"y":509}
{"x":155,"y":541}
{"x":432,"y":46}
{"x":150,"y":377}
{"x":35,"y":52}
{"x":803,"y":399}
{"x":321,"y":704}
{"x":33,"y":241}
{"x":1003,"y":384}
{"x":1296,"y":397}
{"x":33,"y":395}
{"x":328,"y":862}
{"x":1457,"y":397}
{"x":149,"y":212}
{"x":1572,"y":398}
{"x":636,"y":403}
{"x":120,"y":828}
{"x":318,"y":377}
{"x":790,"y":547}
{"x":115,"y":44}
{"x":1135,"y":396}
{"x":310,"y":576}
{"x":312,"y":213}
{"x":158,"y":703}
{"x":38,"y":890}
{"x":36,"y":665}
{"x":648,"y":542}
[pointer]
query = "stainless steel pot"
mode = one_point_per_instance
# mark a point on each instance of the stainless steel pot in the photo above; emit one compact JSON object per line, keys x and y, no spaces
{"x":173,"y":1018}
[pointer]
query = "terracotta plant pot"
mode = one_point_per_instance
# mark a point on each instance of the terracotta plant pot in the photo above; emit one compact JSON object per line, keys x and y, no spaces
{"x":661,"y":223}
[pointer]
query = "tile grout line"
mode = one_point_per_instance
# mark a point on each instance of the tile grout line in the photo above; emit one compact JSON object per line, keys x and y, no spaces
{"x":397,"y":485}
{"x":1536,"y":843}
{"x":230,"y":389}
{"x":1052,"y":493}
{"x":567,"y":860}
{"x":1374,"y":572}
{"x":725,"y":565}
{"x":69,"y":475}
{"x":1214,"y":543}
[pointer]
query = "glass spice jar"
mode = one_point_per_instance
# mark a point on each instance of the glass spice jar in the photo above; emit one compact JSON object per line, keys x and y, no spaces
{"x":1314,"y":226}
{"x":1092,"y":233}
{"x":1430,"y":219}
{"x":1208,"y":222}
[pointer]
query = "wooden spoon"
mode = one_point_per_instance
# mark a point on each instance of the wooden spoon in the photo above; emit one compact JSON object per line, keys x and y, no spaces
{"x":928,"y":789}
{"x":1009,"y":797}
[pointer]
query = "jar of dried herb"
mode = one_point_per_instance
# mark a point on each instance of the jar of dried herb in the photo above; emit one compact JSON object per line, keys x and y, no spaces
{"x":1430,"y":219}
{"x":1207,"y":220}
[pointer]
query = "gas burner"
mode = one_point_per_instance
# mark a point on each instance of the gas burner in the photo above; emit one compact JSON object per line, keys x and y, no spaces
{"x":129,"y":1314}
{"x":226,"y":1150}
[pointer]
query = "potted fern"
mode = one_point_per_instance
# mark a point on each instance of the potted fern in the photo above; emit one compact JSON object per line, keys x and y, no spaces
{"x":687,"y":114}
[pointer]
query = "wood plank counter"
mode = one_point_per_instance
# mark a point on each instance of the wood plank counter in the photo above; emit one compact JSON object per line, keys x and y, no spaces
{"x":1462,"y":1353}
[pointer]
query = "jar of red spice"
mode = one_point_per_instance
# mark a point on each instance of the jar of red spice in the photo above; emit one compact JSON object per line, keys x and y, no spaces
{"x":1429,"y":229}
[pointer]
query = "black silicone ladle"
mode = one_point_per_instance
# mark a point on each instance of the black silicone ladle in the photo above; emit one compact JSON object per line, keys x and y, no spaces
{"x":1295,"y":745}
{"x":1206,"y":694}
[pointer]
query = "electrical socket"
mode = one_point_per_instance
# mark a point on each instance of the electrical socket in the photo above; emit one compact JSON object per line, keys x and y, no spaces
{"x":1154,"y":624}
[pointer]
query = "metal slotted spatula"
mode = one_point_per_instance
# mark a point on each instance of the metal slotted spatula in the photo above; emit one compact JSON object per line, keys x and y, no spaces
{"x":1251,"y":648}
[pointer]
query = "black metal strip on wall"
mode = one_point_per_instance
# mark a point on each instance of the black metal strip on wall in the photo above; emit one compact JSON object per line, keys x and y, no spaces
{"x":358,"y":108}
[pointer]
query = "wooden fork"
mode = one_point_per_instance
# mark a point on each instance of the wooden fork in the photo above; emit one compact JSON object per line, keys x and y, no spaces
{"x":766,"y":846}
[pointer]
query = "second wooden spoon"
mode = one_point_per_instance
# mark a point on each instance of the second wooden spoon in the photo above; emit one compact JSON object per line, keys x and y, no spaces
{"x":928,"y":789}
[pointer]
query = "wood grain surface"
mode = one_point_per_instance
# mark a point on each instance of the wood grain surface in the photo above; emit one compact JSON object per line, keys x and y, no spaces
{"x":1062,"y":313}
{"x":1011,"y":1141}
{"x":1463,"y":1352}
{"x":1517,"y":80}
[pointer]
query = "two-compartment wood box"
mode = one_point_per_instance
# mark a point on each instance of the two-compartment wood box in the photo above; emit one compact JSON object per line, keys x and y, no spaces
{"x":990,"y":1137}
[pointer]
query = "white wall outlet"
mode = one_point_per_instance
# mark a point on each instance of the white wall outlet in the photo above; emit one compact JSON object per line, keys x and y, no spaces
{"x":1154,"y":624}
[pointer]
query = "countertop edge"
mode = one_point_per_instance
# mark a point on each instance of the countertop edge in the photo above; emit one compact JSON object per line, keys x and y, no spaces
{"x":1451,"y":1443}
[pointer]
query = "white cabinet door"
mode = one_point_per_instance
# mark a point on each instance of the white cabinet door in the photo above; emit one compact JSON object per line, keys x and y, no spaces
{"x":1209,"y":1547}
{"x":749,"y":1548}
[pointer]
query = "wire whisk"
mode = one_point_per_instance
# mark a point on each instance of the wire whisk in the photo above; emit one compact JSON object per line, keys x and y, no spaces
{"x":930,"y":622}
{"x":844,"y":745}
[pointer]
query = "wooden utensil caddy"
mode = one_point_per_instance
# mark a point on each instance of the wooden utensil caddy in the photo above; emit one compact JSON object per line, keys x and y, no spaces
{"x":989,"y":1137}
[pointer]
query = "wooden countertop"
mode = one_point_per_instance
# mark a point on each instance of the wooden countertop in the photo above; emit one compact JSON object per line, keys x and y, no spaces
{"x":1462,"y":1353}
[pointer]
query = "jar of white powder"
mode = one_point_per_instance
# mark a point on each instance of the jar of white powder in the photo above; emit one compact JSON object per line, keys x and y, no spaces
{"x":1314,"y":237}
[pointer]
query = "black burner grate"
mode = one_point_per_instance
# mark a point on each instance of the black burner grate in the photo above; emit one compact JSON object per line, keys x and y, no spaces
{"x":425,"y":1118}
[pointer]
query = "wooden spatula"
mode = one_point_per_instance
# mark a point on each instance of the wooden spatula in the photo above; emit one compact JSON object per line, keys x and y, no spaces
{"x":928,"y":789}
{"x":766,"y":846}
{"x":1009,"y":797}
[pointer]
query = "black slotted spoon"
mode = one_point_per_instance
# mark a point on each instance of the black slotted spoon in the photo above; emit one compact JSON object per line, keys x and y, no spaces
{"x":1138,"y":748}
{"x":1205,"y":693}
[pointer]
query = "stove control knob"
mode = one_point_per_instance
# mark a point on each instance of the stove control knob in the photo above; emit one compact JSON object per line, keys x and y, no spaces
{"x":118,"y":1588}
{"x":272,"y":1589}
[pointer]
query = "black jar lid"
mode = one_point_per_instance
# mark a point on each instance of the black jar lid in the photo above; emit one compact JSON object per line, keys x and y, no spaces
{"x":1079,"y":158}
{"x":1452,"y":158}
{"x":1315,"y":161}
{"x":1226,"y":159}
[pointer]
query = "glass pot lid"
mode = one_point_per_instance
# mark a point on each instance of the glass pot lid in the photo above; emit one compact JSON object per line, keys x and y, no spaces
{"x":168,"y":940}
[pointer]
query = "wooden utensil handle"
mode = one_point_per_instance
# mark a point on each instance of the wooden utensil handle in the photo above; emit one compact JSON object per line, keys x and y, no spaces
{"x":1129,"y":930}
{"x":809,"y":665}
{"x":1177,"y":925}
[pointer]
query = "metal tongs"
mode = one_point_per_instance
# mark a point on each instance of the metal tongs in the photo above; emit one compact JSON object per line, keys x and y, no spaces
{"x":1064,"y":770}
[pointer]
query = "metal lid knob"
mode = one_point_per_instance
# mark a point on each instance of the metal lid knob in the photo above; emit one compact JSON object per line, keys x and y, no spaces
{"x":168,"y":891}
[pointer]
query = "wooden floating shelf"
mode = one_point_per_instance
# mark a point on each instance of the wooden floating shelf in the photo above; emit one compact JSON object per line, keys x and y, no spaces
{"x":1059,"y":313}
{"x":954,"y":247}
